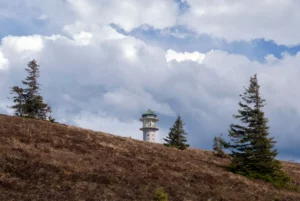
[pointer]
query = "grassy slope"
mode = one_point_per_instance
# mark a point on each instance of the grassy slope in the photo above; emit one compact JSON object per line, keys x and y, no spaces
{"x":44,"y":161}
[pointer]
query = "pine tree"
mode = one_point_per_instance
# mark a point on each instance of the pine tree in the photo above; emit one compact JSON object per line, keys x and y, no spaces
{"x":218,"y":146}
{"x":176,"y":137}
{"x":252,"y":149}
{"x":32,"y":104}
{"x":19,"y":100}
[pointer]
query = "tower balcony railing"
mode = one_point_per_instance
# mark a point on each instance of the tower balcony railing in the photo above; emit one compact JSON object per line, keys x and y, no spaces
{"x":149,"y":117}
{"x":147,"y":126}
{"x":152,"y":127}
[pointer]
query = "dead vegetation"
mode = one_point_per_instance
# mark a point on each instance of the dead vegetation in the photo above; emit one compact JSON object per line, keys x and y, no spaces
{"x":44,"y":161}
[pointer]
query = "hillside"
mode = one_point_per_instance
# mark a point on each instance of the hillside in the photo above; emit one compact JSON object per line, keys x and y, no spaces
{"x":44,"y":161}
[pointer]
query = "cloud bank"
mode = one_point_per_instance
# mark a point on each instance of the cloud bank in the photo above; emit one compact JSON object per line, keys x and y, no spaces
{"x":245,"y":20}
{"x":97,"y":77}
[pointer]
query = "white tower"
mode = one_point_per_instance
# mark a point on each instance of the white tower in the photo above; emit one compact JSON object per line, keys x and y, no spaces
{"x":149,"y":128}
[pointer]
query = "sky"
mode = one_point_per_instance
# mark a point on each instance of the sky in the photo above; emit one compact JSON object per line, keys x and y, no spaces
{"x":105,"y":62}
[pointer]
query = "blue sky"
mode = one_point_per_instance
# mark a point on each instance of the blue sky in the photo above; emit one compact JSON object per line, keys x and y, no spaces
{"x":112,"y":61}
{"x":256,"y":49}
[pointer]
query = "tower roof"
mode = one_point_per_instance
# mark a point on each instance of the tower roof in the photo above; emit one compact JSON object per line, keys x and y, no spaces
{"x":149,"y":113}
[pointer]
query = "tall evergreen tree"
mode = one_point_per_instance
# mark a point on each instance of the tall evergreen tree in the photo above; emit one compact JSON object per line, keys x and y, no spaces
{"x":177,"y":135}
{"x":252,"y":149}
{"x":33,"y":105}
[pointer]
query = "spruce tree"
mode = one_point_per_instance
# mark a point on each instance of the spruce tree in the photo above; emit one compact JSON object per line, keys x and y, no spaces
{"x":177,"y":135}
{"x":252,"y":149}
{"x":32,"y":104}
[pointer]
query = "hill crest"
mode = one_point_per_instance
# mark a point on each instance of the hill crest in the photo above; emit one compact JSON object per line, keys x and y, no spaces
{"x":44,"y":161}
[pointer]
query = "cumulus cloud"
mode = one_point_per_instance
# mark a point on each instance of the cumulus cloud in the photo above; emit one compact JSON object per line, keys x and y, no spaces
{"x":104,"y":75}
{"x":3,"y":62}
{"x":126,"y":99}
{"x":35,"y":16}
{"x":245,"y":20}
{"x":23,"y":43}
{"x":230,"y":20}
{"x":100,"y":86}
{"x":98,"y":78}
{"x":186,"y":56}
{"x":83,"y":38}
{"x":51,"y":16}
{"x":100,"y":33}
{"x":127,"y":14}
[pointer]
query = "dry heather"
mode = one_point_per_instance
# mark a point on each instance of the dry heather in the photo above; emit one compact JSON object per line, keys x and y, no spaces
{"x":44,"y":161}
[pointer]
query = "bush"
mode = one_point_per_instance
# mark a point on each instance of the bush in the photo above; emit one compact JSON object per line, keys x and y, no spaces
{"x":218,"y":147}
{"x":276,"y":199}
{"x":278,"y":179}
{"x":160,"y":195}
{"x":51,"y":119}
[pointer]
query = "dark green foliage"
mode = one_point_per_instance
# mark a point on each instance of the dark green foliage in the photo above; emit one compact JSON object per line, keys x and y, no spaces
{"x":176,"y":137}
{"x":51,"y":119}
{"x":160,"y":195}
{"x":19,"y":100}
{"x":218,"y":146}
{"x":277,"y":199}
{"x":29,"y":103}
{"x":252,"y":149}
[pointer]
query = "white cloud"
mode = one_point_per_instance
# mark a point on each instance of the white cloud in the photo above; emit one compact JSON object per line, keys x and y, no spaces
{"x":3,"y":62}
{"x":100,"y":33}
{"x":231,"y":20}
{"x":104,"y":65}
{"x":186,"y":56}
{"x":83,"y":38}
{"x":53,"y":14}
{"x":23,"y":43}
{"x":245,"y":20}
{"x":127,"y":14}
{"x":134,"y":101}
{"x":101,"y":79}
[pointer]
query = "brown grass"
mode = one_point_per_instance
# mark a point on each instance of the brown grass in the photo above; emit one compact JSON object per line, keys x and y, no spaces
{"x":44,"y":161}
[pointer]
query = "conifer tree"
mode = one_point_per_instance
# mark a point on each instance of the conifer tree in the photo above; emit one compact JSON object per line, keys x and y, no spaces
{"x":177,"y":135}
{"x":252,"y":149}
{"x":32,"y":104}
